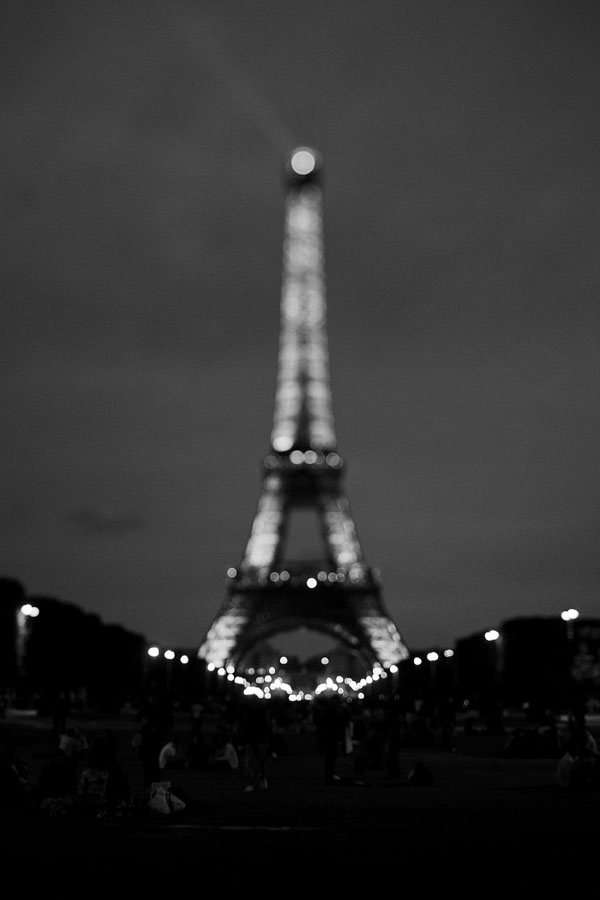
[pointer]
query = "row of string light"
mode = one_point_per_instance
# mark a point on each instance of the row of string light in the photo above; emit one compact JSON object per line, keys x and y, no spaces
{"x":266,"y":682}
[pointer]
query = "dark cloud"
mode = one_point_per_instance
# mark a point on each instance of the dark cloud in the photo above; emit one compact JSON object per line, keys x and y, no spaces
{"x":99,"y":522}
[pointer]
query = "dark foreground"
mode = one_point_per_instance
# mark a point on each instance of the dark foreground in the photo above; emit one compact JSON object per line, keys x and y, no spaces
{"x":486,"y":823}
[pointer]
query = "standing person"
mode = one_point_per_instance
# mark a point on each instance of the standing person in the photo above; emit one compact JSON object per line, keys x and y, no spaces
{"x":60,"y":711}
{"x":447,"y":726}
{"x":360,"y":733}
{"x":117,"y":796}
{"x":150,"y":743}
{"x":394,"y":727}
{"x":15,"y":785}
{"x":92,"y":783}
{"x":156,"y":720}
{"x":330,"y":725}
{"x":254,"y":737}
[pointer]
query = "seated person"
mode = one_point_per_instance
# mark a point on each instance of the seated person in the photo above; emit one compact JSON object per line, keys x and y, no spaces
{"x":171,"y":756}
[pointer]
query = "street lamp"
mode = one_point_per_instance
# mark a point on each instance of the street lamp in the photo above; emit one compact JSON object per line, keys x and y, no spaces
{"x":24,"y":614}
{"x":569,"y":616}
{"x":169,"y":655}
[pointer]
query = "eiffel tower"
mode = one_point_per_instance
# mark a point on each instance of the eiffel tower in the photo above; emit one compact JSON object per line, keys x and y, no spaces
{"x":335,"y":593}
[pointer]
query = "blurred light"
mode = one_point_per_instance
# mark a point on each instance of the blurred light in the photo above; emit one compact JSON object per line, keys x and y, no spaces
{"x":29,"y":610}
{"x":184,"y":659}
{"x":393,"y":669}
{"x":311,"y":582}
{"x":417,"y":660}
{"x":492,"y":635}
{"x":568,"y":614}
{"x":168,"y":654}
{"x":231,"y":572}
{"x":282,"y":444}
{"x":297,"y":457}
{"x":448,"y":653}
{"x":303,"y":162}
{"x":283,"y":660}
{"x":432,"y":656}
{"x":153,"y":651}
{"x":249,"y":691}
{"x":324,"y":660}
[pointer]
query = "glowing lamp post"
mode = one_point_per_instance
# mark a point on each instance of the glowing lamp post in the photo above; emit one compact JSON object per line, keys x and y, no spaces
{"x":169,"y":655}
{"x":493,"y":690}
{"x":24,"y":615}
{"x":149,"y":668}
{"x":569,"y":616}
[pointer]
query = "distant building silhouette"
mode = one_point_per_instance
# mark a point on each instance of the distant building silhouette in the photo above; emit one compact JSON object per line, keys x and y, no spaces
{"x":536,"y":662}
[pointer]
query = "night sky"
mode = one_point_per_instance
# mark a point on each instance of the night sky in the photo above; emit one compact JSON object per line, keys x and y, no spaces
{"x":142,"y":154}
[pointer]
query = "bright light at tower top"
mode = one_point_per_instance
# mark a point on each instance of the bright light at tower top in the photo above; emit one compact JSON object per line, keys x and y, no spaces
{"x":303,"y":165}
{"x":303,"y":161}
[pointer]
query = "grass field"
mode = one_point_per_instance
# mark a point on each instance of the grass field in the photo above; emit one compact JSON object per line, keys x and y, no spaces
{"x":501,"y":819}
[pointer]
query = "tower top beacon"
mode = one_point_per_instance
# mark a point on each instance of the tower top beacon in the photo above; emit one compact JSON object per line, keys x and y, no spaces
{"x":303,"y":166}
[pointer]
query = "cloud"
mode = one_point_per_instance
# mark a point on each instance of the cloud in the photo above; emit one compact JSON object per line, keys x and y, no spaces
{"x":100,"y":522}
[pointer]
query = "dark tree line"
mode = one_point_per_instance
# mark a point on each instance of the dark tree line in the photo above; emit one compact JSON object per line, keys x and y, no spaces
{"x":67,"y":651}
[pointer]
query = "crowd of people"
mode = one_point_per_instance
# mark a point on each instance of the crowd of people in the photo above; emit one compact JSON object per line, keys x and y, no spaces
{"x":85,"y":777}
{"x":78,"y":778}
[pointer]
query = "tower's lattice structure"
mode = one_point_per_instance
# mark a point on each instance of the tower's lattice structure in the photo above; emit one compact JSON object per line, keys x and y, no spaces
{"x":336,"y":592}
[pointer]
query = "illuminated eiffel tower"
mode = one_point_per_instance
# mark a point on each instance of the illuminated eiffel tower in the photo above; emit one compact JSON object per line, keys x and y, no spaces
{"x":334,"y":593}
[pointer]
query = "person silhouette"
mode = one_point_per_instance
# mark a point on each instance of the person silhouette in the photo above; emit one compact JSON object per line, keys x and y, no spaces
{"x":254,"y":737}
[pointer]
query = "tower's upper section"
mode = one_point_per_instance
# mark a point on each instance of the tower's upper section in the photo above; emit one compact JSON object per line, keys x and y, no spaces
{"x":303,"y":417}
